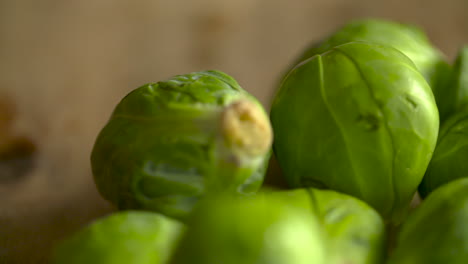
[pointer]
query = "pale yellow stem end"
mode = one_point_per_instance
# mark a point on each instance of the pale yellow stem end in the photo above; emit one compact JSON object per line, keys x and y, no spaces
{"x":246,"y":128}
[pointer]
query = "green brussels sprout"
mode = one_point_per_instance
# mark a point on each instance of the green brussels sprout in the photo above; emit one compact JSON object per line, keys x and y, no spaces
{"x":455,"y":93}
{"x":355,"y":232}
{"x":252,"y":230}
{"x":125,"y":237}
{"x":358,"y":119}
{"x":451,"y":153}
{"x":408,"y":39}
{"x":169,"y":143}
{"x":436,"y":232}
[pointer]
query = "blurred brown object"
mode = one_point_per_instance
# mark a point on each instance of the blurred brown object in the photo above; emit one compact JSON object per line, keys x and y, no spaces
{"x":6,"y":112}
{"x":16,"y":152}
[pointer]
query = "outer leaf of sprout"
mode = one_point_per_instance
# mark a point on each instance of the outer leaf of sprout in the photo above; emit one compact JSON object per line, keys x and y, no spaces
{"x":449,"y":160}
{"x":436,"y":231}
{"x":454,"y":94}
{"x":408,"y":39}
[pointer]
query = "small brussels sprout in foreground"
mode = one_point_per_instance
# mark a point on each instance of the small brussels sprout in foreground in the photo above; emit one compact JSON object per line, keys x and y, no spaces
{"x":169,"y":143}
{"x":252,"y":230}
{"x":358,"y":119}
{"x":436,"y":232}
{"x":455,"y":92}
{"x":125,"y":237}
{"x":407,"y":38}
{"x":449,"y":161}
{"x":355,"y":232}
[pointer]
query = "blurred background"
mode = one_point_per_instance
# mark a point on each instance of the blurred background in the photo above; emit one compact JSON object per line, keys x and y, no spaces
{"x":64,"y":65}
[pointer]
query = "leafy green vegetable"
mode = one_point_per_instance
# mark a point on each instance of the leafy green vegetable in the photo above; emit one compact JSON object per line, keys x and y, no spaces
{"x":355,"y":233}
{"x":252,"y":230}
{"x":436,"y":232}
{"x":169,"y":143}
{"x":358,"y":119}
{"x":124,"y":237}
{"x":407,"y":38}
{"x":449,"y":161}
{"x":455,"y":93}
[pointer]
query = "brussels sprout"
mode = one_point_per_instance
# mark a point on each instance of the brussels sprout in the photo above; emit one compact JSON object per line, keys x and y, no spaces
{"x":359,"y":119}
{"x":455,"y":93}
{"x":408,"y":39}
{"x":355,"y":232}
{"x":253,"y":230}
{"x":436,"y":232}
{"x":125,"y":237}
{"x":169,"y":143}
{"x":449,"y":161}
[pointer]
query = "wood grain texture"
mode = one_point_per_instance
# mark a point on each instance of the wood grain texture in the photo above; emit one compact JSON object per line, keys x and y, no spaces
{"x":66,"y":64}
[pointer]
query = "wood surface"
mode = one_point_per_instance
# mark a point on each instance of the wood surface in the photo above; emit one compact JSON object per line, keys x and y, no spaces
{"x":66,"y":64}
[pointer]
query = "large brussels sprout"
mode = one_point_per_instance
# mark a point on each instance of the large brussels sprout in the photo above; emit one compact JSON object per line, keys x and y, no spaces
{"x":126,"y":237}
{"x":359,"y":119}
{"x":168,"y":143}
{"x":355,"y":232}
{"x":436,"y":232}
{"x":407,"y":38}
{"x":449,"y":161}
{"x":253,"y":230}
